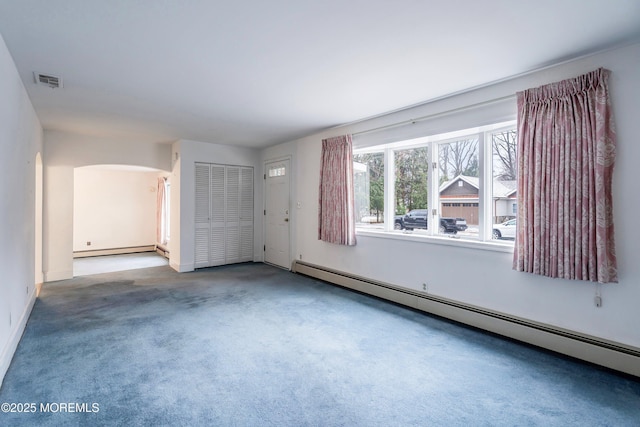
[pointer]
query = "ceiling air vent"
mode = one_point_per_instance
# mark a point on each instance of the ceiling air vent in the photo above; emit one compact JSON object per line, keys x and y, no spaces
{"x":48,"y":80}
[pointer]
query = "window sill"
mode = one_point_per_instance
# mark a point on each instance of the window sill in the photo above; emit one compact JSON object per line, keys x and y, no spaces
{"x":439,"y":240}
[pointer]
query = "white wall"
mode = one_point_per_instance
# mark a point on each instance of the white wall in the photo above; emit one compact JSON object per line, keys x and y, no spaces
{"x":481,"y":277}
{"x":39,"y":222}
{"x":57,"y":229}
{"x":63,"y":152}
{"x":20,"y":142}
{"x":185,"y":154}
{"x":113,"y":208}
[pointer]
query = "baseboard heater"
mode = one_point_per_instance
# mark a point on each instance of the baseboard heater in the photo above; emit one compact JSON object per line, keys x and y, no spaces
{"x":162,"y":250}
{"x":617,"y":356}
{"x":114,"y":251}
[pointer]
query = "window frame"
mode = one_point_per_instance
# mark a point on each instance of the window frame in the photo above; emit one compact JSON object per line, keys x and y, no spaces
{"x":485,"y":191}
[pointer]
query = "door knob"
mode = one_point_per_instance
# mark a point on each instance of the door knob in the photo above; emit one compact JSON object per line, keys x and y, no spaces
{"x":286,"y":220}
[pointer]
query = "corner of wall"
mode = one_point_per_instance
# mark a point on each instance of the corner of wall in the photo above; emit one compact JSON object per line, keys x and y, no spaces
{"x":181,"y":268}
{"x":54,"y":276}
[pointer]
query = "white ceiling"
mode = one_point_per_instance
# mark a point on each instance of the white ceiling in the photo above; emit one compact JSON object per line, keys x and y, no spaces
{"x":255,"y":73}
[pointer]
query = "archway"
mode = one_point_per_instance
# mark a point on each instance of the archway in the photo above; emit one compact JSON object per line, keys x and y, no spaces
{"x":114,"y":218}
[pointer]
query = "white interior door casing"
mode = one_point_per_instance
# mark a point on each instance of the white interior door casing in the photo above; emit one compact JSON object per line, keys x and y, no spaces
{"x":224,"y":214}
{"x":277,"y":213}
{"x":246,"y":214}
{"x":203,"y":215}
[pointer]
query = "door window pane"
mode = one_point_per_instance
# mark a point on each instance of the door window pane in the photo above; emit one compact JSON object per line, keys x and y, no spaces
{"x":276,"y":171}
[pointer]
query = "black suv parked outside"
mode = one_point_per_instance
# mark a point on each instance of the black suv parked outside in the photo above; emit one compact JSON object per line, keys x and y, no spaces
{"x":417,"y":218}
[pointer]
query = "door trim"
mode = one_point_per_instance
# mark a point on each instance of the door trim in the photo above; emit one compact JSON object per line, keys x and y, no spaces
{"x":292,"y":211}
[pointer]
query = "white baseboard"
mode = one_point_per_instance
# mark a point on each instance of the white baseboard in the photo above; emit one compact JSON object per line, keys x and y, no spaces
{"x":181,"y":268}
{"x":53,"y":276}
{"x":14,"y":339}
{"x":610,"y":354}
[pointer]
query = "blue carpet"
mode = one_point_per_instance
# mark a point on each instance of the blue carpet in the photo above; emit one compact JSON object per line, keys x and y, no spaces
{"x":252,"y":345}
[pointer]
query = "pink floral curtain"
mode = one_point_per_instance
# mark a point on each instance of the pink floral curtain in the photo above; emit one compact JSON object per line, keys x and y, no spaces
{"x":566,"y":153}
{"x":336,"y":216}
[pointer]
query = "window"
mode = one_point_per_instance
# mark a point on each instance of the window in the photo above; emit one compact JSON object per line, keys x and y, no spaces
{"x":277,"y":171}
{"x":368,"y":170}
{"x":167,"y":210}
{"x":504,"y":172}
{"x":458,"y":183}
{"x":463,"y":181}
{"x":165,"y":215}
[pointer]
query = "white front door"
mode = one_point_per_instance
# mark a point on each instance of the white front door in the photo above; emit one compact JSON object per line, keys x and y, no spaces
{"x":277,"y":209}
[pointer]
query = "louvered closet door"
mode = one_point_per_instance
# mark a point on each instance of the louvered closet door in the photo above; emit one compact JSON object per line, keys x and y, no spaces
{"x":218,"y":218}
{"x":233,"y":215}
{"x":202,"y":219}
{"x":224,"y":214}
{"x":246,"y":214}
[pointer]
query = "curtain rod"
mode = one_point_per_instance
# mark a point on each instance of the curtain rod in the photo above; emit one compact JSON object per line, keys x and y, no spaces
{"x":431,"y":116}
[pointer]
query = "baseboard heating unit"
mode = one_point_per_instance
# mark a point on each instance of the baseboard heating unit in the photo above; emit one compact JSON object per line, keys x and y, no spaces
{"x":114,"y":251}
{"x":619,"y":357}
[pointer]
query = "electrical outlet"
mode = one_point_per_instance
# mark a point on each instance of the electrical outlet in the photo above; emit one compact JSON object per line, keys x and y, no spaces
{"x":300,"y":257}
{"x":597,"y":301}
{"x":88,"y":243}
{"x":424,"y":286}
